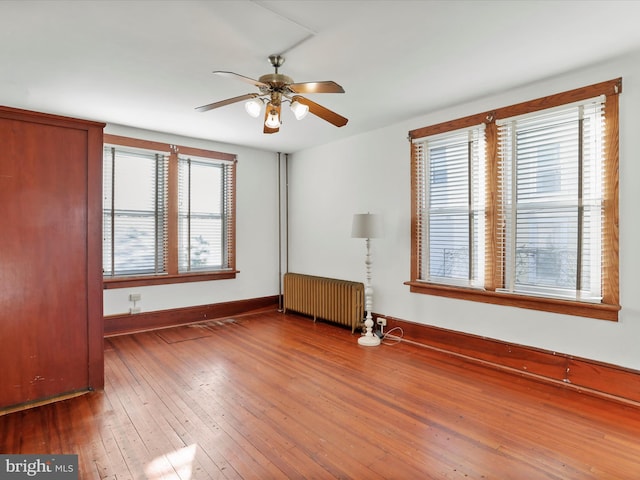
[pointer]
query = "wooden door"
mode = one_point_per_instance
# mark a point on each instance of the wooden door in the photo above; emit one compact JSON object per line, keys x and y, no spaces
{"x":48,"y":305}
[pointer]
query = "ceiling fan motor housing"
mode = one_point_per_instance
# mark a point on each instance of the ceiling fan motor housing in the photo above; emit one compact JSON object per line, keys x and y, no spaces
{"x":276,"y":80}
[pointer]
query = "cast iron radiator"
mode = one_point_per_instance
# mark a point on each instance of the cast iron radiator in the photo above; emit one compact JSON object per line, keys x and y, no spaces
{"x":339,"y":301}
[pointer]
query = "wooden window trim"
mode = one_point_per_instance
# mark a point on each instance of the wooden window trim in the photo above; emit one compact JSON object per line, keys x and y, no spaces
{"x":172,"y":275}
{"x":600,"y":311}
{"x":121,"y":282}
{"x":609,"y":307}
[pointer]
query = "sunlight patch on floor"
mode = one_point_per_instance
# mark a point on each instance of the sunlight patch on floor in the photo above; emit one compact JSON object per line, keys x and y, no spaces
{"x":174,"y":465}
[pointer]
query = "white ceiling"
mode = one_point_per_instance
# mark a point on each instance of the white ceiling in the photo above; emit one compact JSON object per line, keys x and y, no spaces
{"x":148,"y":63}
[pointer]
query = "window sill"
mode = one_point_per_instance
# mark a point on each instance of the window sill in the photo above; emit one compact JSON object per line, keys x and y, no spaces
{"x":122,"y":282}
{"x":567,"y":307}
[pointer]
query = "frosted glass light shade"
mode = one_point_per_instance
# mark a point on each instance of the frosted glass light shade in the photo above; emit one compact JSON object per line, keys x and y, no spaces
{"x":272,"y":120}
{"x":253,"y":108}
{"x":299,"y":110}
{"x":366,"y":225}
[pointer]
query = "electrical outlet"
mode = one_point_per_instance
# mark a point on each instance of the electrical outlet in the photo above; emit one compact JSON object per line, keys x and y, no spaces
{"x":382,"y":321}
{"x":135,"y":310}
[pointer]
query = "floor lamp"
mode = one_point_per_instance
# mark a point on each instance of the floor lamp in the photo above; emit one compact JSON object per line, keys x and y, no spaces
{"x":367,"y":226}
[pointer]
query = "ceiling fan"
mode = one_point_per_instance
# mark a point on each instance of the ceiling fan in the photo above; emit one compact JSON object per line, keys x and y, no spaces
{"x":276,"y":89}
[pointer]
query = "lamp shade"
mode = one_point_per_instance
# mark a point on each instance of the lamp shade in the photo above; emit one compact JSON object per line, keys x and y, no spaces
{"x":366,"y":225}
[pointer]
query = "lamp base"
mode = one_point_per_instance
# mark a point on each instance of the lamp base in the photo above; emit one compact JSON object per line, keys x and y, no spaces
{"x":369,"y":341}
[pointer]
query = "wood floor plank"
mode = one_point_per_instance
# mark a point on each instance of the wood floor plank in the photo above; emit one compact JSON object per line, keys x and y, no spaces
{"x":275,"y":396}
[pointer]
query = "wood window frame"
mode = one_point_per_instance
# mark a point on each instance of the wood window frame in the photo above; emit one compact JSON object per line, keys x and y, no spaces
{"x":609,"y":307}
{"x":172,"y":275}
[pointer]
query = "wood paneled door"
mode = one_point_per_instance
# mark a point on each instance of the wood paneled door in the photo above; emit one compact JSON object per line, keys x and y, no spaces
{"x":50,"y":257}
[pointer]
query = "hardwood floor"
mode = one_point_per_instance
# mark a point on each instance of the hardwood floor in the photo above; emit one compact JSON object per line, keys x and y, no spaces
{"x":274,"y":396}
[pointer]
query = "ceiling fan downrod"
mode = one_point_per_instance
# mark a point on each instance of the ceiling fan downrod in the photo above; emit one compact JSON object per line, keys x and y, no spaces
{"x":276,"y":61}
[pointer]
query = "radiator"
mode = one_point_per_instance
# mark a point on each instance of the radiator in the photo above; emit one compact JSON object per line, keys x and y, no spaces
{"x":339,"y":301}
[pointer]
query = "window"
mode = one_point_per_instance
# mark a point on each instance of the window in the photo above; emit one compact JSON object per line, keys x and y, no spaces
{"x":169,"y":213}
{"x":203,"y":214}
{"x":134,"y":212}
{"x":552,"y":198}
{"x":519,"y":206}
{"x":453,"y":207}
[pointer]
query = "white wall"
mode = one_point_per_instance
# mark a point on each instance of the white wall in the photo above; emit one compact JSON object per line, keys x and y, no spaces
{"x":370,"y":172}
{"x":256,"y":235}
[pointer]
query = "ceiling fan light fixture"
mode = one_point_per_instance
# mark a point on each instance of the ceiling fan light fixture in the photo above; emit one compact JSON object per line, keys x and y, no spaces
{"x":299,"y":110}
{"x":254,"y":107}
{"x":276,"y":89}
{"x":273,"y":120}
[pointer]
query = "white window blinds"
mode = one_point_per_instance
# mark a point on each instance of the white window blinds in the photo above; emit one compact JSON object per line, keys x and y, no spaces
{"x":205,"y":214}
{"x":551,"y":200}
{"x":134,"y":212}
{"x":450,"y":173}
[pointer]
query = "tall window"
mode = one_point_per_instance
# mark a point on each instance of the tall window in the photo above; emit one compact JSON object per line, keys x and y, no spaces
{"x":453,"y":206}
{"x":134,"y":212}
{"x":552,"y":197}
{"x":169,"y":213}
{"x":204,"y":212}
{"x":518,"y":206}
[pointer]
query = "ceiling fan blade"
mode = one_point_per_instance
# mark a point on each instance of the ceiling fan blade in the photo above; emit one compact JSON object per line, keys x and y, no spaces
{"x":322,"y":112}
{"x":266,"y":114}
{"x":242,"y":78}
{"x":316,"y":87}
{"x":228,"y":101}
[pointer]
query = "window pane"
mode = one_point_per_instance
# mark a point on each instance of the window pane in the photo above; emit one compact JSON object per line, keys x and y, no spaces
{"x":449,"y":246}
{"x":546,"y":248}
{"x":552,"y":202}
{"x":452,"y":220}
{"x":202,"y":221}
{"x":134,"y":252}
{"x":134,"y":213}
{"x":206,"y":192}
{"x":205,"y":250}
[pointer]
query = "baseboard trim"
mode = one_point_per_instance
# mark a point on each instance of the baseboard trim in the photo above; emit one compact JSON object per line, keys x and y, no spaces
{"x":588,"y":376}
{"x":39,"y":403}
{"x":131,"y":323}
